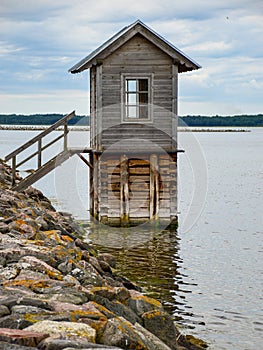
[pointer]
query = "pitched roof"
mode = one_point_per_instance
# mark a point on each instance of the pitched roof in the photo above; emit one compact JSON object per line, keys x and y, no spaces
{"x":185,"y":63}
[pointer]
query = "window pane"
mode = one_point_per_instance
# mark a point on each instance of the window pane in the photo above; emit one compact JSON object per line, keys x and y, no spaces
{"x":143,"y":111}
{"x":131,"y":85}
{"x":143,"y":84}
{"x":132,"y":111}
{"x":131,"y":99}
{"x":143,"y":98}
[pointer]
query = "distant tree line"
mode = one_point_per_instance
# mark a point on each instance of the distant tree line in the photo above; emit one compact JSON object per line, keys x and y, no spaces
{"x":189,"y":120}
{"x":237,"y":120}
{"x":40,"y":119}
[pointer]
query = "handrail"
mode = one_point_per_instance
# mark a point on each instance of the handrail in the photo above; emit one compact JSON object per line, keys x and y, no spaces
{"x":60,"y":122}
{"x":38,"y":139}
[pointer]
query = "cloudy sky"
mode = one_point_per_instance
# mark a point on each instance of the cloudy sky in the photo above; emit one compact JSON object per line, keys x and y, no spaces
{"x":41,"y":39}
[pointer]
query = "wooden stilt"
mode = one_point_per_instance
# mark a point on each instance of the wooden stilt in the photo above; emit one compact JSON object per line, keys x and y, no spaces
{"x":173,"y":188}
{"x":157,"y":188}
{"x":95,"y":186}
{"x":154,"y":187}
{"x":124,"y":190}
{"x":91,"y":185}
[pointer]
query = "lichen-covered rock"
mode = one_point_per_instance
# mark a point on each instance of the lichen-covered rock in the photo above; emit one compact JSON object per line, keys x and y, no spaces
{"x":140,"y":303}
{"x":151,"y":340}
{"x":64,"y":329}
{"x":120,"y":332}
{"x":52,"y":281}
{"x":162,"y":325}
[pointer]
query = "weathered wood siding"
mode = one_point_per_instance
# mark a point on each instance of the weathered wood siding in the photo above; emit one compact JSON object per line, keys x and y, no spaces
{"x":137,"y":57}
{"x":129,"y":189}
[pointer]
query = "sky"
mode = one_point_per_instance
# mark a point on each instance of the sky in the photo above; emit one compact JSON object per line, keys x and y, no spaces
{"x":40,"y":40}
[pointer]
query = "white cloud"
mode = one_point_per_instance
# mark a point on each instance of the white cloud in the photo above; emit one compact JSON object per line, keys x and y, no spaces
{"x":44,"y":38}
{"x":7,"y":49}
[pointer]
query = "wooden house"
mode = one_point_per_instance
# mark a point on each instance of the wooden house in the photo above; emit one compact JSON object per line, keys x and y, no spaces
{"x":133,"y":126}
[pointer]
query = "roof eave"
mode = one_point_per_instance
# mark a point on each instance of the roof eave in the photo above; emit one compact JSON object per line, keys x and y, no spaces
{"x":185,"y":63}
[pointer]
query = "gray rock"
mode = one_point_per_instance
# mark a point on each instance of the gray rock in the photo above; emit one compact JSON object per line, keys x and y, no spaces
{"x":13,"y":322}
{"x":162,"y":325}
{"x":96,"y":347}
{"x":42,"y":224}
{"x":108,"y":258}
{"x":152,"y":342}
{"x":123,"y":334}
{"x":30,"y":314}
{"x":8,"y":346}
{"x":64,"y":329}
{"x":4,"y":310}
{"x":141,"y":304}
{"x":4,"y":227}
{"x":8,"y":273}
{"x":59,"y":344}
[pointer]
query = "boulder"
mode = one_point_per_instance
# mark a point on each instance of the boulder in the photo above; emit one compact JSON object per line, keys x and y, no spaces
{"x":162,"y":325}
{"x":65,"y":329}
{"x":121,"y":333}
{"x":52,"y":343}
{"x":108,"y":258}
{"x":21,"y":337}
{"x":140,"y":303}
{"x":8,"y":346}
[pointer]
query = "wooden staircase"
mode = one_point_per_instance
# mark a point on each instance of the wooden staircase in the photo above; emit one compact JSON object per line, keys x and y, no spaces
{"x":43,"y":169}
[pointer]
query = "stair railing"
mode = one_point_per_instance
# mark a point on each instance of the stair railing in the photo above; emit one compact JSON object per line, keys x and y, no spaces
{"x":40,"y":148}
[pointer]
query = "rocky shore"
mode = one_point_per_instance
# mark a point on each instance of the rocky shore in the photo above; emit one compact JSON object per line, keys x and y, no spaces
{"x":57,"y":292}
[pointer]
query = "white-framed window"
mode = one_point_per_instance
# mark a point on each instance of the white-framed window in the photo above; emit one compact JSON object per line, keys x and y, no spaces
{"x":137,"y":98}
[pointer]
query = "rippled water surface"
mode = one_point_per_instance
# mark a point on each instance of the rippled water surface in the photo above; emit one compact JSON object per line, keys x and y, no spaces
{"x":209,"y":272}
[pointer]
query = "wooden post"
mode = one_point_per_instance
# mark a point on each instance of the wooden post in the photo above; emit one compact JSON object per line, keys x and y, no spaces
{"x":91,"y":185}
{"x":124,"y":190}
{"x":39,"y":154}
{"x":13,"y":170}
{"x":173,"y":188}
{"x":95,"y":186}
{"x":65,"y":136}
{"x":154,"y":187}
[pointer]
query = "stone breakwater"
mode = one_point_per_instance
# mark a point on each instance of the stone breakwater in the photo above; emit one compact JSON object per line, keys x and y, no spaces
{"x":57,"y":292}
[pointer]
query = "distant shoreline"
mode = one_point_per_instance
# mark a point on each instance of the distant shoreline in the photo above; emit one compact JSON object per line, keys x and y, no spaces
{"x":41,"y":127}
{"x":211,"y":129}
{"x":87,"y":128}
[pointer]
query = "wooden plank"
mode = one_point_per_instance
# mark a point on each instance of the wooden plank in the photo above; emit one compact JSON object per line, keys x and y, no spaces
{"x":60,"y":122}
{"x":138,"y":162}
{"x":139,"y":171}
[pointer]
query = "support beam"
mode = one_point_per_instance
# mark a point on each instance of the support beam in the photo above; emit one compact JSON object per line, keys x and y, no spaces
{"x":84,"y":160}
